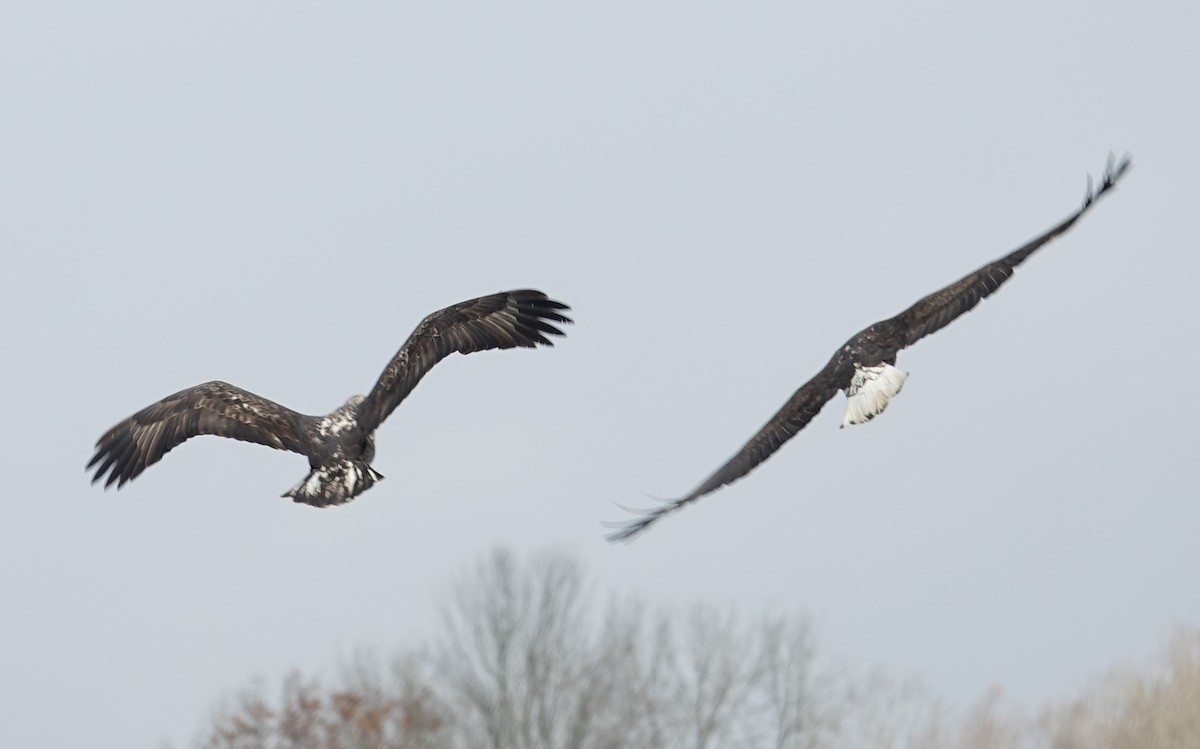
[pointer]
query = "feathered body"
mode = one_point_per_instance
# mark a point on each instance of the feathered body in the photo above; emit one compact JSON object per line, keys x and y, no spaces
{"x":340,"y":454}
{"x":340,"y":446}
{"x":864,"y":368}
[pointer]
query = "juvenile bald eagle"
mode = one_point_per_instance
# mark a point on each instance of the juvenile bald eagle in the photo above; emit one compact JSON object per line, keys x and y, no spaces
{"x":341,"y":445}
{"x":864,"y":368}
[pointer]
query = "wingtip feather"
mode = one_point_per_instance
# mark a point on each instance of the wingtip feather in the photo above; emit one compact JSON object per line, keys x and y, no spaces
{"x":627,"y":530}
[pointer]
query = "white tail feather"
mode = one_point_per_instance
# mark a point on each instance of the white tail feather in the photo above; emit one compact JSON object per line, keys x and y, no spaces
{"x":870,"y":391}
{"x":334,"y":484}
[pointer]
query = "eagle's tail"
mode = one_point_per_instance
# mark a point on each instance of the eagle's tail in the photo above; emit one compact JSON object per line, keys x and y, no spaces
{"x":870,"y":391}
{"x":334,"y":484}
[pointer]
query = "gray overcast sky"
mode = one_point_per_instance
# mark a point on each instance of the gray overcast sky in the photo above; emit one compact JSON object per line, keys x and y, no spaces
{"x":274,"y":194}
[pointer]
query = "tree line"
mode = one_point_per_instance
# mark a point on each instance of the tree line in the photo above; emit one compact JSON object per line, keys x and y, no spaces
{"x":529,"y":658}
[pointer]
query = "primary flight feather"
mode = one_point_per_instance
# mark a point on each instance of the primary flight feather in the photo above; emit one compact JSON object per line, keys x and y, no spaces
{"x":341,"y":445}
{"x":864,"y":368}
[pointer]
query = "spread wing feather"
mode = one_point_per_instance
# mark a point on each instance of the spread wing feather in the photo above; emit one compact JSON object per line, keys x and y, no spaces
{"x":800,"y":409}
{"x":939,"y":309}
{"x":216,"y":408}
{"x":505,"y":320}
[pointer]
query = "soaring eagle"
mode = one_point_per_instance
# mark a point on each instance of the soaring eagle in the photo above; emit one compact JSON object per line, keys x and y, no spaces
{"x":341,"y":445}
{"x":864,"y":368}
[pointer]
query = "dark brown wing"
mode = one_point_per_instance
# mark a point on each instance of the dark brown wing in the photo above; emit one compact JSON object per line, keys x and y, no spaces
{"x":800,"y":409}
{"x":505,"y":320}
{"x":212,"y":408}
{"x":940,"y":308}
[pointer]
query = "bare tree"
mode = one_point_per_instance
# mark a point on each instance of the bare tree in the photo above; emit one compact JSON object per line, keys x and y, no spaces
{"x":883,"y":712}
{"x":362,"y":713}
{"x":803,"y":706}
{"x":989,"y":725}
{"x":525,"y":666}
{"x":1154,"y":709}
{"x":520,"y":664}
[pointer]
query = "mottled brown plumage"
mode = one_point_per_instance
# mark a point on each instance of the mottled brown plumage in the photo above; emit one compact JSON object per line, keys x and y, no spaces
{"x":340,"y":445}
{"x":865,"y":364}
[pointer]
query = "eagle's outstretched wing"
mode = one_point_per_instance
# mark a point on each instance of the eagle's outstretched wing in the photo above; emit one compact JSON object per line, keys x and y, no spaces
{"x":939,"y":309}
{"x":505,"y":320}
{"x":212,"y":408}
{"x":800,"y":409}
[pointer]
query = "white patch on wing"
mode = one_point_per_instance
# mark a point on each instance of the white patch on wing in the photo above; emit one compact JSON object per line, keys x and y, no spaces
{"x":870,"y":390}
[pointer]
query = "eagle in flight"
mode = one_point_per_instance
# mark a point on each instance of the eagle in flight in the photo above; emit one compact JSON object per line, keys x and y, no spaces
{"x":864,"y":368}
{"x":341,"y":445}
